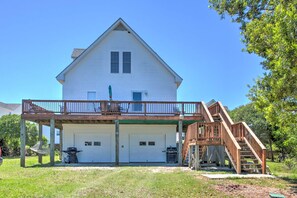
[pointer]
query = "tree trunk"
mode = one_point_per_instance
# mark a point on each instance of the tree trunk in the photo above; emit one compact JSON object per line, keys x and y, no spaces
{"x":271,"y":151}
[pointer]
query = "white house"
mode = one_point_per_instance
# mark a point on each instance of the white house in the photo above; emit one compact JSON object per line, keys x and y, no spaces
{"x":119,"y":106}
{"x":119,"y":58}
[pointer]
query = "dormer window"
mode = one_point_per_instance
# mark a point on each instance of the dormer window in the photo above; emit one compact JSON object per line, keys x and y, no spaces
{"x":127,"y":62}
{"x":114,"y":62}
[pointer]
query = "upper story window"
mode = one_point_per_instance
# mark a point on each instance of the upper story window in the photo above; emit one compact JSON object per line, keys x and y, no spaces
{"x":127,"y":62}
{"x":114,"y":62}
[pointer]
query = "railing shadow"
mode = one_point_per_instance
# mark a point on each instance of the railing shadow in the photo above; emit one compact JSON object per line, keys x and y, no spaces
{"x":43,"y":165}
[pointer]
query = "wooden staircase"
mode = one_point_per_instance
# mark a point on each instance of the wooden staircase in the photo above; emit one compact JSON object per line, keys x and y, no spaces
{"x":249,"y":162}
{"x":246,"y":152}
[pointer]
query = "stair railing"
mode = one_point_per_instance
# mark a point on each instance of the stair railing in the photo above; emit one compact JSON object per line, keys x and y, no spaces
{"x":243,"y":132}
{"x":232,"y":146}
{"x":218,"y":108}
{"x":190,"y":136}
{"x":205,"y":112}
{"x":202,"y":134}
{"x":192,"y":130}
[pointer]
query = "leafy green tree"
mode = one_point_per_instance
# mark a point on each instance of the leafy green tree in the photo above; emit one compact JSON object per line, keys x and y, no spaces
{"x":269,"y":29}
{"x":257,"y":122}
{"x":10,"y":134}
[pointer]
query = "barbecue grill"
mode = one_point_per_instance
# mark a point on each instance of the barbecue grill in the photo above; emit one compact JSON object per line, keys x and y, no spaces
{"x":171,"y":154}
{"x":71,"y":155}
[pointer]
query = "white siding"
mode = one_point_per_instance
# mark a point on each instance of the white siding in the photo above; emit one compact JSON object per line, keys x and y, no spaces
{"x":93,"y":73}
{"x":71,"y":131}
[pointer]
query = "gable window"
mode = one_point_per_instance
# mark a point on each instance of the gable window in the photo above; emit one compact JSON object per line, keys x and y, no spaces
{"x":127,"y":62}
{"x":114,"y":62}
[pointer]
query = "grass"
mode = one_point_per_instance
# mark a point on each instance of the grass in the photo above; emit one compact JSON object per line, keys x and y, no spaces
{"x":280,"y":170}
{"x":45,"y":181}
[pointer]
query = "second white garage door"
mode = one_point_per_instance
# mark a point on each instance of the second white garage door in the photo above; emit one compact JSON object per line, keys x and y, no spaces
{"x":147,"y":148}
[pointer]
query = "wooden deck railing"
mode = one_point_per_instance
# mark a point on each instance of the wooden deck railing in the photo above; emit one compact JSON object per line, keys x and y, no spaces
{"x":202,"y":134}
{"x":205,"y":112}
{"x":105,"y":107}
{"x":218,"y":108}
{"x":232,"y":146}
{"x":243,"y":132}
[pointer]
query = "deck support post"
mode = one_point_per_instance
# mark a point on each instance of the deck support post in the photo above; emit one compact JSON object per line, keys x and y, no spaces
{"x":197,"y":160}
{"x":52,"y":141}
{"x":117,"y":142}
{"x":41,"y":142}
{"x":180,"y":142}
{"x":23,"y":143}
{"x":61,"y":143}
{"x":189,"y":156}
{"x":222,"y":155}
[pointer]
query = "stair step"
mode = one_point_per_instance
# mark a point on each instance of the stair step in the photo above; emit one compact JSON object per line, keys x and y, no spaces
{"x":254,"y":165}
{"x":247,"y":155}
{"x":243,"y":161}
{"x":251,"y":170}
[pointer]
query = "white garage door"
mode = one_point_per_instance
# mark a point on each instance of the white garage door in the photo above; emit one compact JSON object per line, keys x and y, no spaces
{"x":147,"y":148}
{"x":95,"y":147}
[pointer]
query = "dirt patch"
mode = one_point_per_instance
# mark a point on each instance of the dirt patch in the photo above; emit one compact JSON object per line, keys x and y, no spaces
{"x":240,"y":190}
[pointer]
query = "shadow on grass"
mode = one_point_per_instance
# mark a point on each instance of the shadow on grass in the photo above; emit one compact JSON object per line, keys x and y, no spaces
{"x":292,"y":182}
{"x":44,"y":165}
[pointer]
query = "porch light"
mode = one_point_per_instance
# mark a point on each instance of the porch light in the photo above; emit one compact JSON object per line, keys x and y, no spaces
{"x":181,"y":116}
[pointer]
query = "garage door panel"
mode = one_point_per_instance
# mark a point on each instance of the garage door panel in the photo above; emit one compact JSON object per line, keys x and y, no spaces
{"x":147,"y":148}
{"x":95,"y":147}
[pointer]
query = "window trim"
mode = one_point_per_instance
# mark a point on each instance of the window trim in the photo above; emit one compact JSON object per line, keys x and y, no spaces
{"x":124,"y":62}
{"x":118,"y":62}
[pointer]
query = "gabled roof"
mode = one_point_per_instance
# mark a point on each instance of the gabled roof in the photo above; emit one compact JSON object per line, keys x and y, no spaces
{"x":9,"y":106}
{"x":120,"y":24}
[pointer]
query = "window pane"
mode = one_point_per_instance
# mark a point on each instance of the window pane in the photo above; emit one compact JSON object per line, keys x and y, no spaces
{"x":151,"y":143}
{"x":88,"y":143}
{"x":142,"y":143}
{"x":97,"y":143}
{"x":114,"y":62}
{"x":91,"y":95}
{"x":137,"y":96}
{"x":126,"y":62}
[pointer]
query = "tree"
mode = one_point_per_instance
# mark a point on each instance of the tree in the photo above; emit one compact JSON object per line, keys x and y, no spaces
{"x":10,"y":134}
{"x":269,"y":29}
{"x":256,"y":121}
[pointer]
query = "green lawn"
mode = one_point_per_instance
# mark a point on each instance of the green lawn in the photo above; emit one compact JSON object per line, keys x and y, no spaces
{"x":45,"y":181}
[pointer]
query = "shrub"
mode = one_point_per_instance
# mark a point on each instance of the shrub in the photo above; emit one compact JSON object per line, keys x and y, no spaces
{"x":290,"y":163}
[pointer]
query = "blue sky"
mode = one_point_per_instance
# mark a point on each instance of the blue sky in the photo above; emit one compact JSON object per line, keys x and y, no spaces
{"x":37,"y":38}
